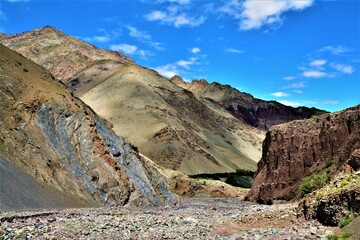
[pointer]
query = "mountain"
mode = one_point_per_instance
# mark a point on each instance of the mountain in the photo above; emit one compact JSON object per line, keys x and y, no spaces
{"x":316,"y":148}
{"x":56,"y":152}
{"x":62,"y":55}
{"x":256,"y":112}
{"x":167,"y":123}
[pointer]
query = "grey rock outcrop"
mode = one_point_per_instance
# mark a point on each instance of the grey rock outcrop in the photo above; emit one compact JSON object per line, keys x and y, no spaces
{"x":62,"y":144}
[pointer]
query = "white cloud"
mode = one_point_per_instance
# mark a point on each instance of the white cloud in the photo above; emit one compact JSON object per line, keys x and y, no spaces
{"x":335,"y":50}
{"x":297,"y":91}
{"x":144,"y":37}
{"x":195,"y":50}
{"x":280,"y":94}
{"x":233,"y":50}
{"x":314,"y":74}
{"x":168,"y":70}
{"x":125,"y":48}
{"x":342,"y":68}
{"x":290,"y":103}
{"x":255,"y":14}
{"x":186,"y":63}
{"x":134,"y":32}
{"x":296,"y":85}
{"x":289,"y":78}
{"x":177,"y":68}
{"x":101,"y":39}
{"x":174,"y":16}
{"x":318,"y":63}
{"x":331,"y":102}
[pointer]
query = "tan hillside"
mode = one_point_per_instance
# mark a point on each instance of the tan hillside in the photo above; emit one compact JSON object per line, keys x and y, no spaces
{"x":63,"y":55}
{"x":56,"y":152}
{"x":167,"y":123}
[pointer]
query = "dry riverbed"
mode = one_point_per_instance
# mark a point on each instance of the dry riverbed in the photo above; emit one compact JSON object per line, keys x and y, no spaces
{"x":195,"y":219}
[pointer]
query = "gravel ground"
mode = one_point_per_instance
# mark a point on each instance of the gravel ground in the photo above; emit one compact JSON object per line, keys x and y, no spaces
{"x":194,"y":219}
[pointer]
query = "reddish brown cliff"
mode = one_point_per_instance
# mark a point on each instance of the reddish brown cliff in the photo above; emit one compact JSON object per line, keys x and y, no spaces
{"x":299,"y":148}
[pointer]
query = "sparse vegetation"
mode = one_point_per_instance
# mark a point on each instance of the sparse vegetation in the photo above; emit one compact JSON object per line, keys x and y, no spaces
{"x":329,"y":163}
{"x":332,"y":237}
{"x":346,"y":222}
{"x":312,"y":183}
{"x":346,"y":235}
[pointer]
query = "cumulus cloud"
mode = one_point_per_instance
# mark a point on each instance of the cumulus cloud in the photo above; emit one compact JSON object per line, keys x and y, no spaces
{"x":125,"y":48}
{"x":289,"y":78}
{"x":144,"y":37}
{"x":297,"y":91}
{"x":195,"y":50}
{"x":318,"y":63}
{"x":335,"y":50}
{"x":233,"y":50}
{"x":101,"y":39}
{"x":296,"y":85}
{"x":174,"y":16}
{"x":343,"y":68}
{"x":255,"y":14}
{"x":168,"y":70}
{"x":314,"y":74}
{"x":178,"y":67}
{"x":280,"y":94}
{"x":290,"y":103}
{"x":186,"y":63}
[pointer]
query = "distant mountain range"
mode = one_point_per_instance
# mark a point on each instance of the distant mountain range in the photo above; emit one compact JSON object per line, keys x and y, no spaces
{"x":256,"y":112}
{"x":204,"y":128}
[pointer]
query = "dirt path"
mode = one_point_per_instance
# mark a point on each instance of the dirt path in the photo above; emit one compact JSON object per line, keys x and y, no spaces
{"x":195,"y":219}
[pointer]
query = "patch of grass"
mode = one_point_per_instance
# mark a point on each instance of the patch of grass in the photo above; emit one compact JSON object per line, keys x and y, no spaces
{"x":329,"y":163}
{"x":332,"y":237}
{"x":346,"y":222}
{"x":312,"y":183}
{"x":346,"y":235}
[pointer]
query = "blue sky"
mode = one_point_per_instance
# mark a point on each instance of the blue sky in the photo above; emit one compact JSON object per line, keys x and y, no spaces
{"x":296,"y":52}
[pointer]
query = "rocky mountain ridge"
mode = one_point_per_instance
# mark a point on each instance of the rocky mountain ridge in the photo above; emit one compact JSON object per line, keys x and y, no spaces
{"x":167,"y":123}
{"x":50,"y":140}
{"x":256,"y":112}
{"x":63,"y":55}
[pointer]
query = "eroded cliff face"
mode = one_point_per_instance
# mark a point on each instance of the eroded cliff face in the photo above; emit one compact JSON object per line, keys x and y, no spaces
{"x":61,"y":144}
{"x":297,"y":149}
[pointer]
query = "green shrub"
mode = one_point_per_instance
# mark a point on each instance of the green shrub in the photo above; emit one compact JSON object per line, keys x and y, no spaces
{"x":346,"y":235}
{"x":346,"y":222}
{"x":312,"y":183}
{"x":332,"y":237}
{"x":329,"y":163}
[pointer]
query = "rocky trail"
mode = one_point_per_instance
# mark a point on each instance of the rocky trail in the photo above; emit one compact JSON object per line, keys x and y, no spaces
{"x":194,"y":219}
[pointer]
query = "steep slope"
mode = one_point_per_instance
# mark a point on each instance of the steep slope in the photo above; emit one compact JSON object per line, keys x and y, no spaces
{"x":62,"y":55}
{"x":56,"y":152}
{"x":168,"y":123}
{"x":297,"y":149}
{"x":258,"y":113}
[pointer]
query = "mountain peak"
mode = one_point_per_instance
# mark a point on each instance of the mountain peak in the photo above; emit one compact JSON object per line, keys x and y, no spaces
{"x":64,"y":56}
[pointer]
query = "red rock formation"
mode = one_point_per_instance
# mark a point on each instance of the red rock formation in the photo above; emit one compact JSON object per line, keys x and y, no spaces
{"x":299,"y":148}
